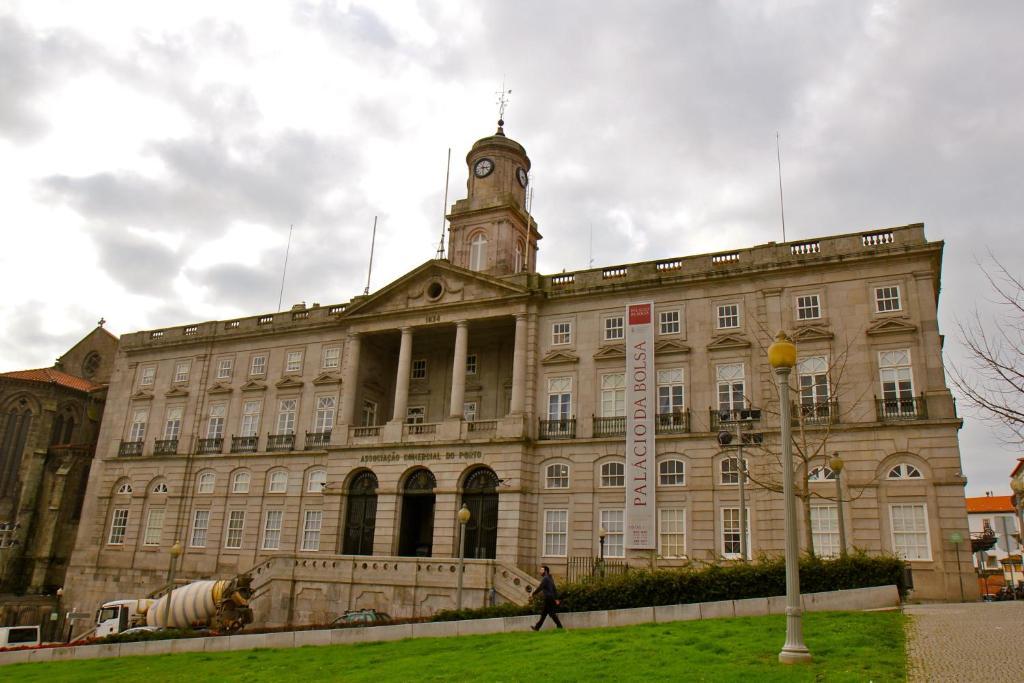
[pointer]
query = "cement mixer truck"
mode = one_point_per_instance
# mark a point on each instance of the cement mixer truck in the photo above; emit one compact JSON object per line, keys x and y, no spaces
{"x":219,"y":605}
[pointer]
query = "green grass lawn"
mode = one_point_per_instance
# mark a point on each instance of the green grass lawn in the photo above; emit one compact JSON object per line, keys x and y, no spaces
{"x":845,"y":647}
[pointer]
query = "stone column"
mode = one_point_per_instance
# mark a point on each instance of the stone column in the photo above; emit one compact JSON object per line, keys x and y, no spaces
{"x":402,"y":380}
{"x":518,"y":402}
{"x":459,"y":369}
{"x":349,"y":380}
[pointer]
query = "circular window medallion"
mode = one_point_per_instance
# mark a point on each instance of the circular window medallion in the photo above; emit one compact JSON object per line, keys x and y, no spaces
{"x":91,"y":365}
{"x":435,"y":290}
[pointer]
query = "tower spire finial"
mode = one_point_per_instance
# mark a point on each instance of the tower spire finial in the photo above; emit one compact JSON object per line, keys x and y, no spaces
{"x":502,"y":103}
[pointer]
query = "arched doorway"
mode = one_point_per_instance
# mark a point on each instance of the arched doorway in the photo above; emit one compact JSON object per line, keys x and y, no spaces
{"x":480,"y":495}
{"x":360,"y":515}
{"x":416,"y":535}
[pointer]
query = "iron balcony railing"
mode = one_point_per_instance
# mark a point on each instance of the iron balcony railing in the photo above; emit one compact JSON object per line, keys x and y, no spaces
{"x":898,"y":409}
{"x":719,"y":417}
{"x":558,"y":429}
{"x":816,"y":412}
{"x":610,"y":426}
{"x":210,"y":446}
{"x":280,"y":442}
{"x":165,"y":447}
{"x":244,"y":444}
{"x":580,"y":568}
{"x":317,"y":440}
{"x":130,"y":449}
{"x":677,"y":422}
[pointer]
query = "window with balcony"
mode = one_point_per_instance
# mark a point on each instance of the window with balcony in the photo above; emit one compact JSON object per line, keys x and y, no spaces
{"x":415,"y":415}
{"x":812,"y":376}
{"x":172,"y":424}
{"x":215,"y":423}
{"x":368,"y":415}
{"x":286,"y":415}
{"x":896,"y":375}
{"x":559,"y":398}
{"x":731,"y":385}
{"x":323,"y":418}
{"x":250,"y":418}
{"x":137,"y":432}
{"x":469,"y":411}
{"x":671,"y":394}
{"x":613,"y":394}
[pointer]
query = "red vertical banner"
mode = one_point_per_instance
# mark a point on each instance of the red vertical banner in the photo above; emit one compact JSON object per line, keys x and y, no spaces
{"x":641,"y":404}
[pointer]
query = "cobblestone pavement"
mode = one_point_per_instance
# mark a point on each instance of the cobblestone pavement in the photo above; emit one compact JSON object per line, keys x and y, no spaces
{"x":982,"y":641}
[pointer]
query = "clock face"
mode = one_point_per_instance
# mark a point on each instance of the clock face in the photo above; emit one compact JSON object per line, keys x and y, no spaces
{"x":483,"y":168}
{"x":522,"y":177}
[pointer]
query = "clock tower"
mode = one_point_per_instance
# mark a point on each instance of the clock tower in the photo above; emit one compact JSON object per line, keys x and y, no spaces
{"x":490,"y":230}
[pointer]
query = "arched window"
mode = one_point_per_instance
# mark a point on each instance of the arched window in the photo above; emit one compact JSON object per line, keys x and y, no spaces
{"x":317,"y":481}
{"x":160,"y":488}
{"x":672,"y":473}
{"x":731,"y":470}
{"x":206,"y":481}
{"x":478,"y":252}
{"x":822,"y":473}
{"x":905,"y":471}
{"x":613,"y":474}
{"x":240,"y":482}
{"x":556,"y":476}
{"x":278,"y":482}
{"x":520,"y":262}
{"x":124,"y":489}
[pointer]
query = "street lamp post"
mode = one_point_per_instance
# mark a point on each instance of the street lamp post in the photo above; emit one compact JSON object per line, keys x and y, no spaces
{"x":782,"y":358}
{"x":176,"y":552}
{"x":837,"y":464}
{"x":956,"y":538}
{"x":464,"y":516}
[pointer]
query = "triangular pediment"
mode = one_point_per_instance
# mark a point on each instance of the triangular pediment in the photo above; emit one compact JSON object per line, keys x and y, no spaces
{"x":435,"y":283}
{"x":288,"y":383}
{"x":142,"y":395}
{"x":327,"y":378}
{"x":176,"y":392}
{"x":219,"y":388}
{"x":254,"y":385}
{"x":667,"y":346}
{"x":810,"y":333}
{"x":559,"y":357}
{"x":729,"y":341}
{"x":613,"y":352}
{"x":891,"y":326}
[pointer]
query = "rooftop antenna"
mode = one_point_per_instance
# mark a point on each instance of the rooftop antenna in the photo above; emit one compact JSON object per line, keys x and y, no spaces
{"x":502,"y":103}
{"x":782,"y":206}
{"x":444,"y":207}
{"x":284,"y":271}
{"x":373,"y":241}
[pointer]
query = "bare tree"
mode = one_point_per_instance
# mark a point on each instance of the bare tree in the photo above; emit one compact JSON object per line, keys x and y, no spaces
{"x":992,"y":379}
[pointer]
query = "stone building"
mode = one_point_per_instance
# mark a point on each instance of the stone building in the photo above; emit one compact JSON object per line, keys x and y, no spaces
{"x":328,"y":448}
{"x":49,"y":423}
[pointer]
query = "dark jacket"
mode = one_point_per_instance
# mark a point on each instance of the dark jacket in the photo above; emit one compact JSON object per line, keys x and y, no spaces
{"x":547,"y":588}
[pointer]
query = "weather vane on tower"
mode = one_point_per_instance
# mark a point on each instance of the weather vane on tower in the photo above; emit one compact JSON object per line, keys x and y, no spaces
{"x":502,"y":103}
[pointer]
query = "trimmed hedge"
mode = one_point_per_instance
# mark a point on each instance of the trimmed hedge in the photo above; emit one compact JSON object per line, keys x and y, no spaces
{"x":504,"y":610}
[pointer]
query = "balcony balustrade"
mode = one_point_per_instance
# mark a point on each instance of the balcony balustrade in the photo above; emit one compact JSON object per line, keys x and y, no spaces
{"x":720,"y":417}
{"x":672,"y":423}
{"x":610,"y":426}
{"x":210,"y":446}
{"x":816,"y":412}
{"x":557,"y":429}
{"x":244,"y":444}
{"x":900,"y":409}
{"x":280,"y":442}
{"x":364,"y":432}
{"x":481,"y":426}
{"x":165,"y":447}
{"x":130,"y":449}
{"x":315,"y":440}
{"x":421,"y":428}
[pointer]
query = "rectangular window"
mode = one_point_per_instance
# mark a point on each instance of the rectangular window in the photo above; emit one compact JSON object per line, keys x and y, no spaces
{"x":215,"y":425}
{"x":672,"y":533}
{"x":670,"y":391}
{"x":118,"y":526}
{"x":236,"y":525}
{"x":368,"y":416}
{"x":471,"y":364}
{"x":808,"y":307}
{"x":154,"y":526}
{"x":250,"y":418}
{"x":887,"y":299}
{"x":419,"y":369}
{"x":286,"y":416}
{"x":728,"y":316}
{"x":612,"y":521}
{"x":332,"y":357}
{"x":668,"y":322}
{"x":812,"y":374}
{"x":561,"y":333}
{"x":415,"y":415}
{"x":200,"y":525}
{"x":613,"y":328}
{"x":324,"y":419}
{"x":825,"y":530}
{"x":148,"y":376}
{"x":258,"y":365}
{"x":556,"y":532}
{"x":613,"y":395}
{"x":293,"y":361}
{"x":559,"y":398}
{"x":469,"y":411}
{"x":138,"y":429}
{"x":730,"y":386}
{"x":181,"y":371}
{"x":172,"y":426}
{"x":224,"y":366}
{"x":731,"y":547}
{"x":311,"y":529}
{"x":272,"y":530}
{"x":897,"y":381}
{"x":910,"y":531}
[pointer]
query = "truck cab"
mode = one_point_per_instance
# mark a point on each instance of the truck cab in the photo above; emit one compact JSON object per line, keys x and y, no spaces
{"x":120,"y":615}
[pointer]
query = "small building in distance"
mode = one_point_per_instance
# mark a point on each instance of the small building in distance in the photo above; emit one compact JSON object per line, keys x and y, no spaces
{"x":992,"y":515}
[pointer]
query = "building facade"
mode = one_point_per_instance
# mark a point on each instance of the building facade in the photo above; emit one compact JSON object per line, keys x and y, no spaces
{"x":327,"y":449}
{"x":996,"y":517}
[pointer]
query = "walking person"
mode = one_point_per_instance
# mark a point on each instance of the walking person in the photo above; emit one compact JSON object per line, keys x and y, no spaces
{"x":550,"y":593}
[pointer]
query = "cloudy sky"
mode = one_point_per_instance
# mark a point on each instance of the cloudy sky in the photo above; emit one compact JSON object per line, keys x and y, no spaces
{"x":154,"y":154}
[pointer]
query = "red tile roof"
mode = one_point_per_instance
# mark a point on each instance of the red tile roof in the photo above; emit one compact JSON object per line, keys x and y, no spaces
{"x":52,"y":376}
{"x":990,"y":504}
